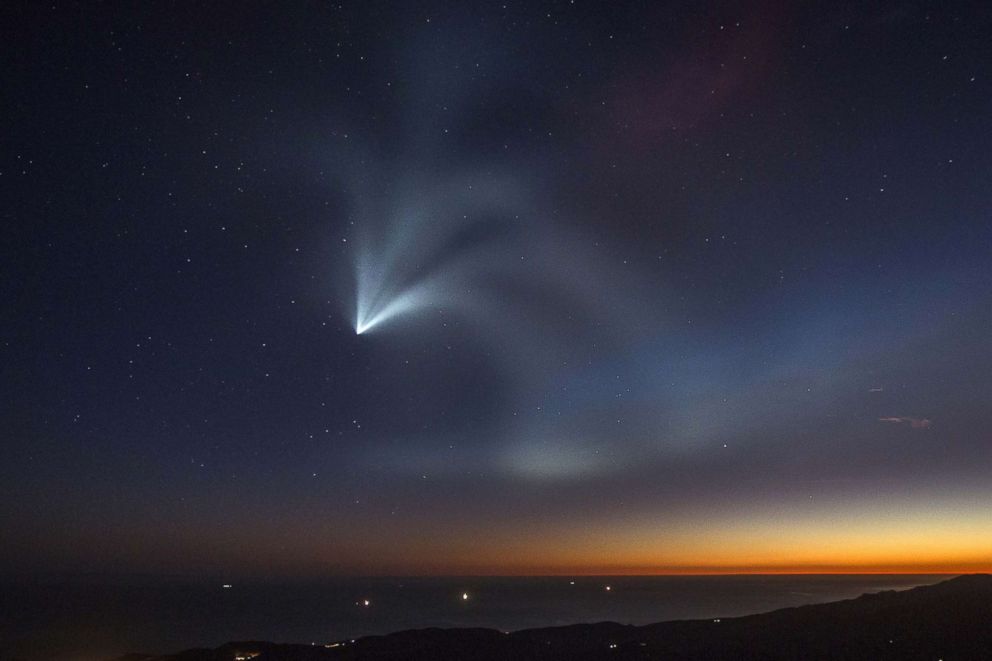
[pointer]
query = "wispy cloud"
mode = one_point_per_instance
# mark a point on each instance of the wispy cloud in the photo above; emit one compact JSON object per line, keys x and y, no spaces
{"x":915,"y":423}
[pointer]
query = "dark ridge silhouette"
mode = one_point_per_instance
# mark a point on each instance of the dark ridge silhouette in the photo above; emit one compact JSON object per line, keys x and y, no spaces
{"x":951,"y":620}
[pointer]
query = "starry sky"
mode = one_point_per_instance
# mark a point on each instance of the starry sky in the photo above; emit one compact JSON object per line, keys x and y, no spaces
{"x":496,"y":287}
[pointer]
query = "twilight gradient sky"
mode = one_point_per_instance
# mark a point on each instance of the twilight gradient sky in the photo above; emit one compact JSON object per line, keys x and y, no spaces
{"x":643,"y":287}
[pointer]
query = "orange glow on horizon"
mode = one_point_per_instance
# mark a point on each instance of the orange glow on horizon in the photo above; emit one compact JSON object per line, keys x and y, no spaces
{"x":937,"y":536}
{"x":816,"y":543}
{"x":980,"y":567}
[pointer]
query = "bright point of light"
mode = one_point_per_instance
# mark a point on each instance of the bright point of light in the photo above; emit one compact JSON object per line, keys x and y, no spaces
{"x":226,"y":586}
{"x":366,"y":318}
{"x":464,"y":596}
{"x":366,"y":602}
{"x":608,"y":588}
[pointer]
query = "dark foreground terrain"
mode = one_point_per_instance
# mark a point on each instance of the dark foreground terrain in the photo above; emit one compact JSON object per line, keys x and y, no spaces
{"x":951,"y":620}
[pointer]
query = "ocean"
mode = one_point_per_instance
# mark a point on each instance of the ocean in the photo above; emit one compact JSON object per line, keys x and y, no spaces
{"x":83,"y":619}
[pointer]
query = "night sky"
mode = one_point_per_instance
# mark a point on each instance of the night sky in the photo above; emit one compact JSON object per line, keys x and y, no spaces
{"x":496,"y":287}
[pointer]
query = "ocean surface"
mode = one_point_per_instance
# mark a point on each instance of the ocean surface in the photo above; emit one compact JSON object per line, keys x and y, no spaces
{"x":97,"y":618}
